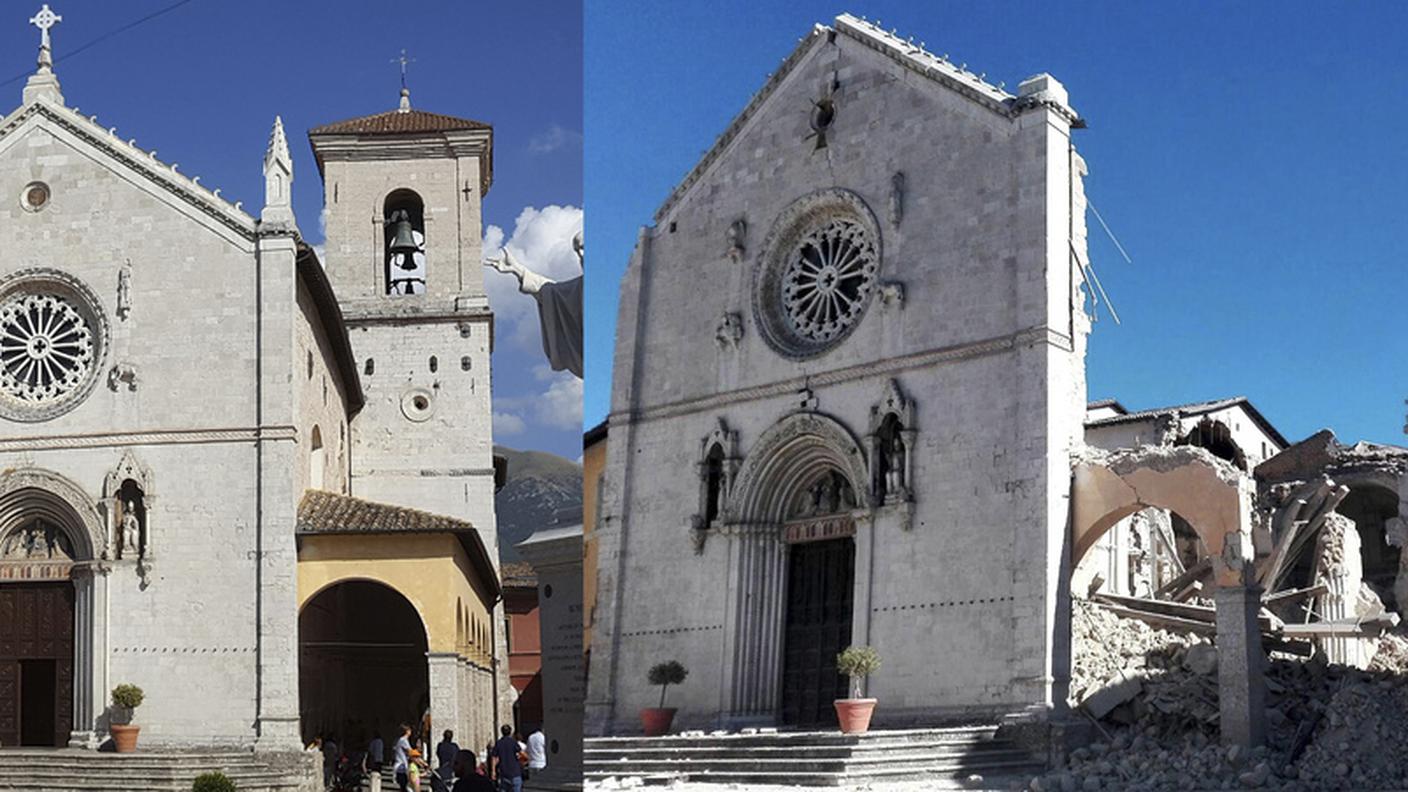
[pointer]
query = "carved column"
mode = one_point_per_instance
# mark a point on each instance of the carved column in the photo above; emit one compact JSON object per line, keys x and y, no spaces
{"x":753,"y":661}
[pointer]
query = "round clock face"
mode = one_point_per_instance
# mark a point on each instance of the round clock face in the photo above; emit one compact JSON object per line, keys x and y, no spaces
{"x":53,"y":336}
{"x":817,"y":273}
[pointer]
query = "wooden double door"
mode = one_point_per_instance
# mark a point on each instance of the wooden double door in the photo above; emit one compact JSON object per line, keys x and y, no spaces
{"x":36,"y":663}
{"x":820,"y":590}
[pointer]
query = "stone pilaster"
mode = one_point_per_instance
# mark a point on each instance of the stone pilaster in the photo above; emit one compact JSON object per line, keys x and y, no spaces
{"x":556,"y":556}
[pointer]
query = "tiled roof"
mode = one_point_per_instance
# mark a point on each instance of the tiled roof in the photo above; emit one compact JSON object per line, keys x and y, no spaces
{"x":518,"y":574}
{"x":328,"y":512}
{"x":398,"y":122}
{"x":1196,"y":408}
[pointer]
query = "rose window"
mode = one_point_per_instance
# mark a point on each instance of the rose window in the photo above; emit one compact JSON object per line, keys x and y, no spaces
{"x":817,"y":273}
{"x":827,"y":283}
{"x":46,"y":347}
{"x":53,"y":336}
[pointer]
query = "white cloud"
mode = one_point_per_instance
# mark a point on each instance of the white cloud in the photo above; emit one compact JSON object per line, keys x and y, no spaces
{"x":557,"y":406}
{"x":560,"y":406}
{"x":508,"y":424}
{"x":553,"y":139}
{"x":542,"y":242}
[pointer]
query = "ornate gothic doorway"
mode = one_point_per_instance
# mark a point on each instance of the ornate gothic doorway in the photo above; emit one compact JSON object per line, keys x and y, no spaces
{"x":820,"y":585}
{"x":36,"y":663}
{"x":362,"y":664}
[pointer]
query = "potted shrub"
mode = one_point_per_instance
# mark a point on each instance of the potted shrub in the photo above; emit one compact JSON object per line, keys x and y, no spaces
{"x":214,"y":781}
{"x":856,"y":662}
{"x":125,"y":699}
{"x":657,"y":720}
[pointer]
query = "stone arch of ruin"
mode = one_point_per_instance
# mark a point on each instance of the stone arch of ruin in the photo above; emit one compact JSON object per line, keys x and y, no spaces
{"x":1211,"y":494}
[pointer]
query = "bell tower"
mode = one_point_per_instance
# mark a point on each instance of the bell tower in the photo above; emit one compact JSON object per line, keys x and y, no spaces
{"x":402,"y":194}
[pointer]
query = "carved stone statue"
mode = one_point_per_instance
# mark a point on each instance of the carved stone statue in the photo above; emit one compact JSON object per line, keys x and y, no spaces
{"x":737,"y":232}
{"x":131,"y":531}
{"x":124,"y":290}
{"x":896,"y":198}
{"x":559,"y":307}
{"x":894,"y":458}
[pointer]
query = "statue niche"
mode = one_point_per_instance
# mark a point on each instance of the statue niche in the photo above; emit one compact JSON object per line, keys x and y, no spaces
{"x":891,"y":441}
{"x":131,"y":522}
{"x":717,"y":468}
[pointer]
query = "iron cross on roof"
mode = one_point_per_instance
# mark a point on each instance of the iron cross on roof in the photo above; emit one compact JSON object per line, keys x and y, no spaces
{"x":44,"y":20}
{"x":403,"y":60}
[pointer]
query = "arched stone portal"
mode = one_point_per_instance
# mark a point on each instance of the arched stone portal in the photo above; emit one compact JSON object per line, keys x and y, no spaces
{"x":361,"y":662}
{"x":53,"y":594}
{"x":797,"y":524}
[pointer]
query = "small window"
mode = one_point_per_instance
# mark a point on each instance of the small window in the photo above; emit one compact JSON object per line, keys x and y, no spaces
{"x":317,"y":460}
{"x":370,"y":367}
{"x":466,"y":363}
{"x":310,"y":364}
{"x":434,"y":364}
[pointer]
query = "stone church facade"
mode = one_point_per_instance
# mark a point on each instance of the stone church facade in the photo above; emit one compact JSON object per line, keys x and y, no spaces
{"x":190,"y":400}
{"x":849,"y":373}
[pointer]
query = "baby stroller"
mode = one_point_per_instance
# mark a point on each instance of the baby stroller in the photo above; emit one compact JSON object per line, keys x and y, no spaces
{"x":348,"y":776}
{"x":437,"y":782}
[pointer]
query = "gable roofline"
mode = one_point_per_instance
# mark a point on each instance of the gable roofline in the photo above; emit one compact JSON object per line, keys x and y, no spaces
{"x":912,"y":56}
{"x":144,"y":163}
{"x":1196,"y":408}
{"x":311,"y":273}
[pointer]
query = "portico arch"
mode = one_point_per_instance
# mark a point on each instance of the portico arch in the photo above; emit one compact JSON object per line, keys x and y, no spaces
{"x":363,"y":664}
{"x":803,"y":483}
{"x":52,"y":541}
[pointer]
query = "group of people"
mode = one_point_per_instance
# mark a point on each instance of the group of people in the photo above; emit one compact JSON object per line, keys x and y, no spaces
{"x":506,"y":763}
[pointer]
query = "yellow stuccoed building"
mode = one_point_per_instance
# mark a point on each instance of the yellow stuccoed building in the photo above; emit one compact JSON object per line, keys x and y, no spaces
{"x":389,"y":599}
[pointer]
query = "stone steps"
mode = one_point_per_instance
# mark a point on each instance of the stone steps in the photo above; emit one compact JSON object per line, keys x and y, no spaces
{"x":811,"y":758}
{"x":68,"y":770}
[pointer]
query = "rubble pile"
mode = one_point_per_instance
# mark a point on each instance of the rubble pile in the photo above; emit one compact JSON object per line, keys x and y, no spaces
{"x":1154,"y":695}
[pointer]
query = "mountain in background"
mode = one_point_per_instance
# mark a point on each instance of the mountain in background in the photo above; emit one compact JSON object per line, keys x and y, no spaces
{"x":539,"y":484}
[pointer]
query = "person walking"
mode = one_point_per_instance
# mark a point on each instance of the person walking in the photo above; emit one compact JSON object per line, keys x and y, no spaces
{"x":466,"y":779}
{"x":376,"y":752}
{"x":401,"y":758}
{"x":445,"y":754}
{"x":506,"y":766}
{"x":330,"y":757}
{"x":537,"y":751}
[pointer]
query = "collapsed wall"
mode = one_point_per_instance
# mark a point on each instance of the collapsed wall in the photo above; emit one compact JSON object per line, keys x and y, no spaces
{"x":1154,"y":696}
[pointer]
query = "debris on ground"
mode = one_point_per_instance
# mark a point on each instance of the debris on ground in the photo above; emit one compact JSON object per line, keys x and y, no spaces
{"x":1330,"y":727}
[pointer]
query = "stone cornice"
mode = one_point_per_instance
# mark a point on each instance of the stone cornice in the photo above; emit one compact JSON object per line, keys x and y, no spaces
{"x":151,"y":437}
{"x":888,"y":366}
{"x":425,"y":145}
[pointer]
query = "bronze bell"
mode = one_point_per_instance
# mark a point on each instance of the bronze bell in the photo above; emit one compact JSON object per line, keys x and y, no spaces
{"x":402,"y":240}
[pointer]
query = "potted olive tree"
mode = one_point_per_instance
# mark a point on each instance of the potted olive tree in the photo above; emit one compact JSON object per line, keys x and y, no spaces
{"x":657,"y":720}
{"x":856,"y":662}
{"x":125,"y":699}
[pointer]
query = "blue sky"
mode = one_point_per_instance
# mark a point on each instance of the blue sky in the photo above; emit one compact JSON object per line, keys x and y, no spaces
{"x":1251,"y":157}
{"x":202,"y":84}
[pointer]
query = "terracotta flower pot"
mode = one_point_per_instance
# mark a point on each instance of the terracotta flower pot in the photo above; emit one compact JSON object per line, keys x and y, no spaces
{"x":854,"y":714}
{"x":657,"y":720}
{"x":124,"y":737}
